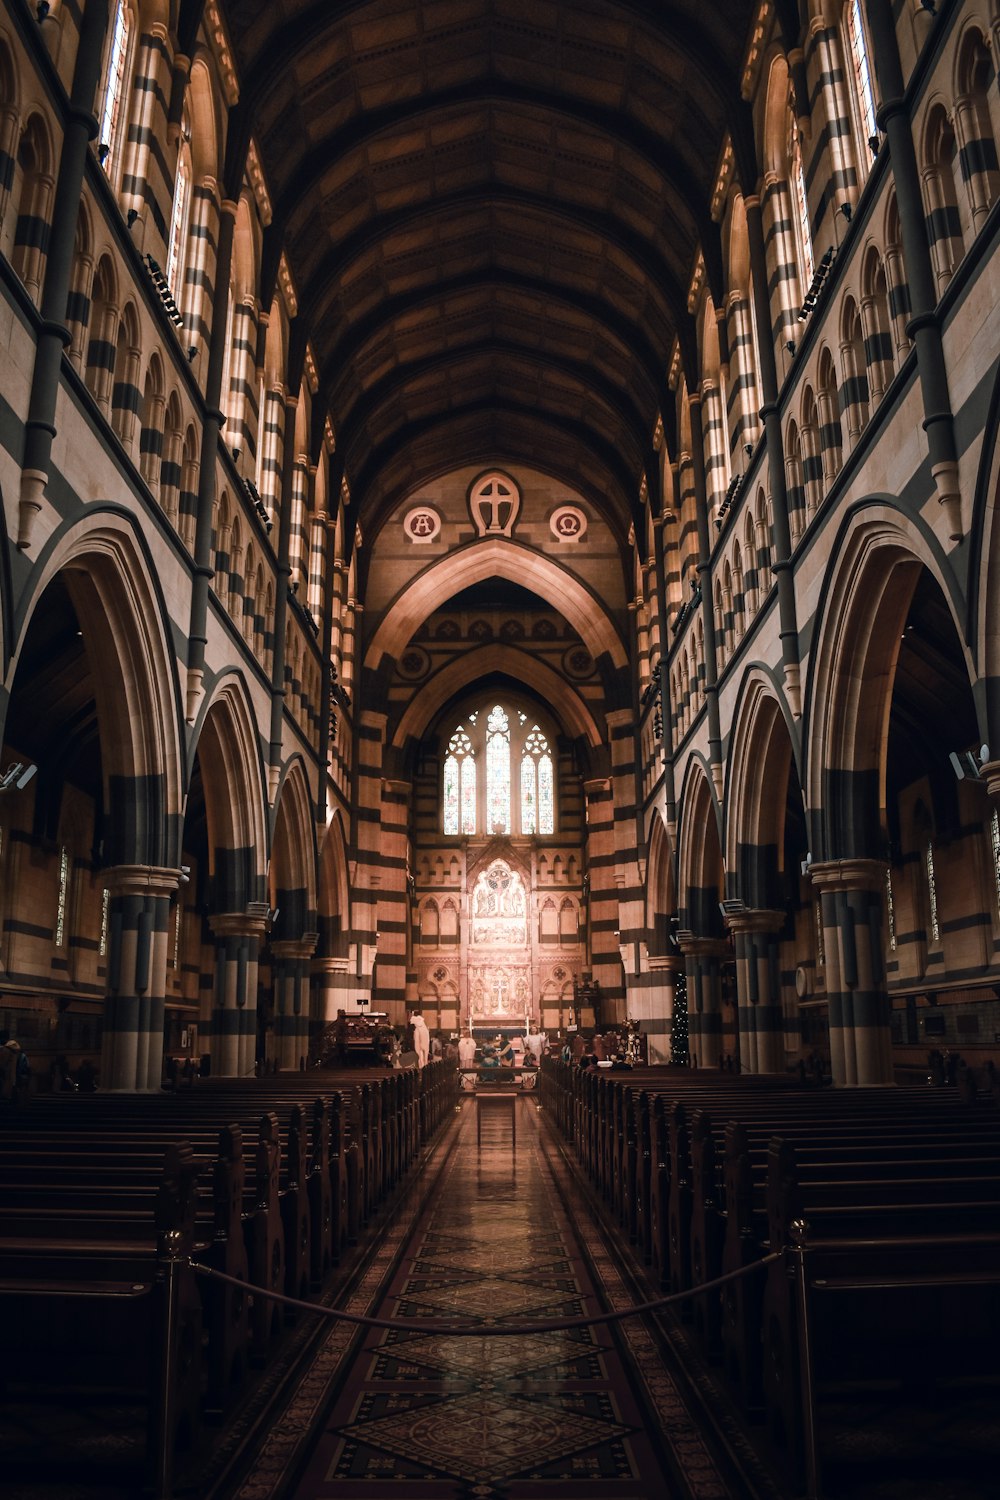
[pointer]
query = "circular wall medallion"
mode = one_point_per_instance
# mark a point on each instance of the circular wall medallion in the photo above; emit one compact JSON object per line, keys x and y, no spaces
{"x":568,"y":524}
{"x":578,"y":663}
{"x":414,"y":664}
{"x":422,"y":524}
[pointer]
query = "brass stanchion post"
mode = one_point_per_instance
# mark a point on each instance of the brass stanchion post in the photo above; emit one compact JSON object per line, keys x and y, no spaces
{"x":168,"y":1255}
{"x":799,"y":1235}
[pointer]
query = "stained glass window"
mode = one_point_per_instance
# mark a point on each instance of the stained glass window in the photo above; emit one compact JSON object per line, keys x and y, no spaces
{"x":114,"y":87}
{"x":62,"y":897}
{"x":932,"y":892}
{"x":862,"y":72}
{"x":798,"y":187}
{"x":537,"y":800}
{"x":528,"y":801}
{"x":498,"y":771}
{"x":460,"y":785}
{"x":469,"y":795}
{"x":546,"y":798}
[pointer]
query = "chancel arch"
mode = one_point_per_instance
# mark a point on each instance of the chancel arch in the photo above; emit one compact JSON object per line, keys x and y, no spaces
{"x":485,"y":560}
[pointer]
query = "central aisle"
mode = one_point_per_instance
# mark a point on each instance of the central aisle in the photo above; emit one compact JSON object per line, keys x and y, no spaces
{"x":547,"y":1414}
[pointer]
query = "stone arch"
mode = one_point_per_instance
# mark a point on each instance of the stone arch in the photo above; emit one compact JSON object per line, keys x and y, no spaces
{"x":334,"y":896}
{"x":124,"y":619}
{"x":761,"y":756}
{"x":32,"y":191}
{"x":103,"y":333}
{"x":700,"y":868}
{"x":226,"y":744}
{"x":293,"y":845}
{"x":879,"y":560}
{"x":661,"y":887}
{"x":939,"y":167}
{"x":491,"y":559}
{"x":549,"y":686}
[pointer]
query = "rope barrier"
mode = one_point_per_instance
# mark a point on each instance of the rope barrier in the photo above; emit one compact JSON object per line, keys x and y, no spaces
{"x":480,"y":1330}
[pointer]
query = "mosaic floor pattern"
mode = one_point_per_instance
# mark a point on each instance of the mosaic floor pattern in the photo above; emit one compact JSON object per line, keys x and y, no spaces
{"x":535,"y":1415}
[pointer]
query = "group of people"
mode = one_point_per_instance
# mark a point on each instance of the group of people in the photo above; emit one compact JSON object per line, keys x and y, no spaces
{"x":515,"y":1051}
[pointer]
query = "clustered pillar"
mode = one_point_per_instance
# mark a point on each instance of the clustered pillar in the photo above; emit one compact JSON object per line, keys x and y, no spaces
{"x":851,"y":904}
{"x":704,"y":958}
{"x":291,"y":1000}
{"x":233,"y":1025}
{"x":758,"y":988}
{"x":138,"y":941}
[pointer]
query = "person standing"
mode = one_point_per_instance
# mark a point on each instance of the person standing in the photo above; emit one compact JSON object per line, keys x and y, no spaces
{"x":421,"y":1038}
{"x":467,"y":1050}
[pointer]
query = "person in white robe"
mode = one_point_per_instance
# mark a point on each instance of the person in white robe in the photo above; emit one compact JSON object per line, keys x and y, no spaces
{"x":421,"y":1038}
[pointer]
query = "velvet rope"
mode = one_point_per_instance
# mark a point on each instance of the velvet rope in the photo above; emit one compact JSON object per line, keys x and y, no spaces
{"x":489,"y":1330}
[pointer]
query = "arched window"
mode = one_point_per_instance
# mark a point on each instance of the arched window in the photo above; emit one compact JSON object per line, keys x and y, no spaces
{"x":537,"y":808}
{"x":111,"y":113}
{"x":180,"y":212}
{"x":460,"y":785}
{"x":861,"y":74}
{"x":498,"y":771}
{"x":797,"y":183}
{"x":517,"y":793}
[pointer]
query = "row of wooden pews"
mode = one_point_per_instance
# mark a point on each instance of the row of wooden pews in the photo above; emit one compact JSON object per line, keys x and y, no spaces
{"x":266,"y":1180}
{"x":884,"y":1202}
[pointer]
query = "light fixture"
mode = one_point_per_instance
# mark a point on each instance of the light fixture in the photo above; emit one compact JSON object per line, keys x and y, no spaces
{"x":18,"y":775}
{"x":873,"y":144}
{"x":847,"y":211}
{"x":42,"y":9}
{"x":966,"y":764}
{"x":929,"y":6}
{"x":748,"y":449}
{"x":131,"y":217}
{"x":790,"y":345}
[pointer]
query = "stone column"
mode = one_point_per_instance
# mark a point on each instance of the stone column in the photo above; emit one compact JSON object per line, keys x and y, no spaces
{"x":138,"y":943}
{"x":336,"y":984}
{"x":291,"y":999}
{"x":654,"y":1007}
{"x":759,"y":1018}
{"x":233,"y":1022}
{"x":851,"y":894}
{"x":703,"y":960}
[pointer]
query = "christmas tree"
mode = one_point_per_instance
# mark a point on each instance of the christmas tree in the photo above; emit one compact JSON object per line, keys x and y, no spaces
{"x":679,"y":1023}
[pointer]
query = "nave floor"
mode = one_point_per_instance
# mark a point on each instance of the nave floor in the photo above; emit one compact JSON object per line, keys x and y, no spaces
{"x":567,"y":1415}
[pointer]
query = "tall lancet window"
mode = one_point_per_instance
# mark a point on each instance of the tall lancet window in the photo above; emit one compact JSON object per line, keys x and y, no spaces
{"x":497,"y":771}
{"x":114,"y":91}
{"x":537,"y":800}
{"x":797,"y":183}
{"x":460,"y":785}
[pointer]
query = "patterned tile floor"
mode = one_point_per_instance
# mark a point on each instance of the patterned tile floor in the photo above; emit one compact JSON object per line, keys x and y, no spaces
{"x":553,"y":1414}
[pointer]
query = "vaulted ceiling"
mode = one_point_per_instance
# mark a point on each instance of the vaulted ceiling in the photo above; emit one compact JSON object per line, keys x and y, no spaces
{"x":492,"y":210}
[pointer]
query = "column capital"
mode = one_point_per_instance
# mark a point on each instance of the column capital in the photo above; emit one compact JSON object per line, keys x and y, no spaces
{"x":303,"y":947}
{"x":693,"y":946}
{"x":990,"y":773}
{"x":249,"y":923}
{"x":848,"y":874}
{"x":141,"y":880}
{"x":597,"y":786}
{"x":760,"y":919}
{"x":670,"y":963}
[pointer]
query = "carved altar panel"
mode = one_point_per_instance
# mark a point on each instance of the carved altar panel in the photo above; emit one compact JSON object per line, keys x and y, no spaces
{"x":499,"y":908}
